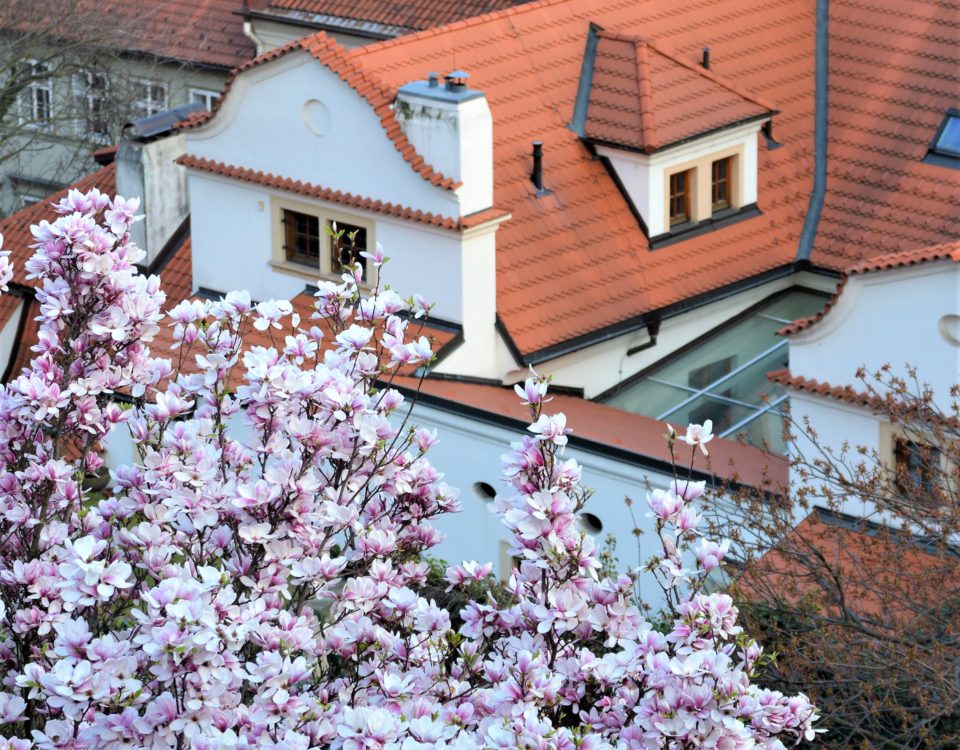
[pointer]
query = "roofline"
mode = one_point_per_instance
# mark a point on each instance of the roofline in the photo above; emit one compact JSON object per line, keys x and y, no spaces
{"x":821,"y":76}
{"x":320,"y":25}
{"x":644,"y":320}
{"x":673,"y":144}
{"x":595,"y":447}
{"x":581,"y":102}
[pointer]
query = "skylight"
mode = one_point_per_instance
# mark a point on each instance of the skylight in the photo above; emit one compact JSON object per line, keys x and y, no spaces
{"x":945,"y":149}
{"x":723,"y":375}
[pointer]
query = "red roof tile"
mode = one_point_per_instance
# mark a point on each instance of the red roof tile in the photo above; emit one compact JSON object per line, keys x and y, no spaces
{"x":200,"y":32}
{"x":30,"y":335}
{"x":9,"y":304}
{"x":337,"y":196}
{"x":844,"y":393}
{"x":893,"y":75}
{"x":575,"y":261}
{"x":176,"y":274}
{"x":643,"y":98}
{"x":406,"y":15}
{"x":611,"y":428}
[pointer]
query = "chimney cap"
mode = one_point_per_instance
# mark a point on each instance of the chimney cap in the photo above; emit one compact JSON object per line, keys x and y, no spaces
{"x":454,"y":90}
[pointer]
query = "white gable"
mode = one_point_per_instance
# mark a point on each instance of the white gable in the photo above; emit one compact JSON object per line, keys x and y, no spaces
{"x":295,"y":118}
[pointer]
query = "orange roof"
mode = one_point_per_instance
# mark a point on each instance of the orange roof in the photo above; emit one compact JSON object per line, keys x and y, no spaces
{"x":199,"y":32}
{"x":337,"y":196}
{"x":612,"y":431}
{"x":646,"y":99}
{"x":576,"y":261}
{"x":366,"y":84}
{"x":947,"y":251}
{"x":581,"y":242}
{"x":400,"y":15}
{"x":885,"y":574}
{"x":893,"y":75}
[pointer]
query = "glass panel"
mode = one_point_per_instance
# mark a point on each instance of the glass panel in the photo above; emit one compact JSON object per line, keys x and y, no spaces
{"x":949,"y":140}
{"x":698,"y":411}
{"x":751,"y":385}
{"x":648,"y":397}
{"x":766,"y":431}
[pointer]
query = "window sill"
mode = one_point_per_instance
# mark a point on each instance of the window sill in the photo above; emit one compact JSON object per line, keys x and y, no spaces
{"x":690,"y":229}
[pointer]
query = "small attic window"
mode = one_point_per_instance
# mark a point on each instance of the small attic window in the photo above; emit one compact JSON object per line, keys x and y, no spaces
{"x":945,"y":149}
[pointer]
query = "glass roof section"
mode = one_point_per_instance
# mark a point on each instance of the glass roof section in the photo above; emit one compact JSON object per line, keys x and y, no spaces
{"x":723,"y":375}
{"x":948,"y":140}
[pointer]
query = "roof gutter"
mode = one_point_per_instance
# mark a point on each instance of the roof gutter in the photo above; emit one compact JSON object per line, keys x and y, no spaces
{"x":822,"y":62}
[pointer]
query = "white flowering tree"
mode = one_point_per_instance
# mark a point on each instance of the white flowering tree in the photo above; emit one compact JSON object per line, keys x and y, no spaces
{"x":268,"y":591}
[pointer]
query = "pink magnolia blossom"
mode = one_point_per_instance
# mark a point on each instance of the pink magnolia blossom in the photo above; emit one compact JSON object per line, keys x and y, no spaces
{"x":256,"y":577}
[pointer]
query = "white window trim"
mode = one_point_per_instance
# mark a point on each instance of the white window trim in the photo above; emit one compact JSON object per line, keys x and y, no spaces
{"x":147,"y":103}
{"x":279,"y":260}
{"x":85,"y":98}
{"x":27,"y":98}
{"x":207,"y":96}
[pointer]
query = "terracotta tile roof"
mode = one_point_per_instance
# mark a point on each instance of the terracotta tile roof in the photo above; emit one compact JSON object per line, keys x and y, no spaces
{"x":199,"y":32}
{"x":893,"y":75}
{"x":644,"y":98}
{"x":609,"y":429}
{"x":16,"y":227}
{"x":365,"y":83}
{"x":405,"y":15}
{"x":176,"y":274}
{"x":843,"y":393}
{"x":576,"y":261}
{"x":887,"y":575}
{"x":337,"y":196}
{"x":947,"y":251}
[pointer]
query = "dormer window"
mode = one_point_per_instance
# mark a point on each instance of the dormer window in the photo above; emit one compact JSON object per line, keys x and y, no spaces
{"x":680,"y":141}
{"x":313,"y":241}
{"x":721,"y":175}
{"x":680,"y":184}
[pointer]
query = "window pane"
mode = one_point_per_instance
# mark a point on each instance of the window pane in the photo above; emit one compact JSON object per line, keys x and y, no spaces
{"x":721,"y":184}
{"x":949,"y":140}
{"x":302,"y":234}
{"x":648,"y":397}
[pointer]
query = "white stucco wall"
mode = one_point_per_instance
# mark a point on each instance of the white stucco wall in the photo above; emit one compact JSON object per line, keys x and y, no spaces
{"x":8,"y":336}
{"x":236,"y":254}
{"x":295,"y":118}
{"x":900,"y":317}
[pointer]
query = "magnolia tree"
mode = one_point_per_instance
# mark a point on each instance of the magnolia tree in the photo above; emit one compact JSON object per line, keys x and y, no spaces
{"x":267,"y":590}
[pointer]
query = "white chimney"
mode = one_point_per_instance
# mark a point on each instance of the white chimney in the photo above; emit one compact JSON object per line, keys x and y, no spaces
{"x":450,"y":126}
{"x":146,"y":169}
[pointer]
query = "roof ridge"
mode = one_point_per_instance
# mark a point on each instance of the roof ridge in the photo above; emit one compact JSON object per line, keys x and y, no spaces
{"x":645,"y":92}
{"x":711,"y":76}
{"x":453,"y":26}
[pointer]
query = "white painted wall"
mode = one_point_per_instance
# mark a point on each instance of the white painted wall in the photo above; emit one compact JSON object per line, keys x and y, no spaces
{"x":295,"y":118}
{"x":236,"y":253}
{"x":898,"y":317}
{"x":644,"y":176}
{"x":8,"y":336}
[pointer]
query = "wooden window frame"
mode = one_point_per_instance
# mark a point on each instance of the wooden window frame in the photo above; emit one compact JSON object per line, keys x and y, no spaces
{"x":726,"y":202}
{"x":688,"y":176}
{"x":322,"y":266}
